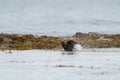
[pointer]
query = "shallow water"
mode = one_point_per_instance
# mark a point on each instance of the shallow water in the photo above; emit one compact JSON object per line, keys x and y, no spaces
{"x":59,"y":17}
{"x":52,"y":65}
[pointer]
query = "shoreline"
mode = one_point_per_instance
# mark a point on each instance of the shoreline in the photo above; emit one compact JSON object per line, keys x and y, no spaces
{"x":31,"y":42}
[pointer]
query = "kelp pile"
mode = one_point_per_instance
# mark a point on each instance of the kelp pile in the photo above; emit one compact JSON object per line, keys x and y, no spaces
{"x":97,"y":40}
{"x":29,"y":41}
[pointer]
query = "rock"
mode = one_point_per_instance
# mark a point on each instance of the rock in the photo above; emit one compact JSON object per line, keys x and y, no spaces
{"x":79,"y":35}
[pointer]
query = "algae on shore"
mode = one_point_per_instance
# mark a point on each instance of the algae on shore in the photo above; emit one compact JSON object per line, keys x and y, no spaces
{"x":29,"y":41}
{"x":97,"y":40}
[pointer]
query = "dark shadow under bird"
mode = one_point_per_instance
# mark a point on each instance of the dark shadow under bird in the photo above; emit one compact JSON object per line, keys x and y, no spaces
{"x":69,"y":45}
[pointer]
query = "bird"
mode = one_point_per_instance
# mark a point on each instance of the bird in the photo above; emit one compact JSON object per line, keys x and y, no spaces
{"x":69,"y":45}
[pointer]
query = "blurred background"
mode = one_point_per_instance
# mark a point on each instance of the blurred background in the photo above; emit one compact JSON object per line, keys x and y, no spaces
{"x":59,"y":17}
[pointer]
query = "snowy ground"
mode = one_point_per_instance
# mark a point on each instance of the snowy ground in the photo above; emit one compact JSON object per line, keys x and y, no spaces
{"x":87,"y":64}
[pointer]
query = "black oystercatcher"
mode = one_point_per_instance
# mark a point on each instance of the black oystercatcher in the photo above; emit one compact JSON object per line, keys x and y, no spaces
{"x":68,"y":46}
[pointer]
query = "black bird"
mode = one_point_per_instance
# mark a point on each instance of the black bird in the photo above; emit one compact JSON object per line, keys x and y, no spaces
{"x":68,"y":46}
